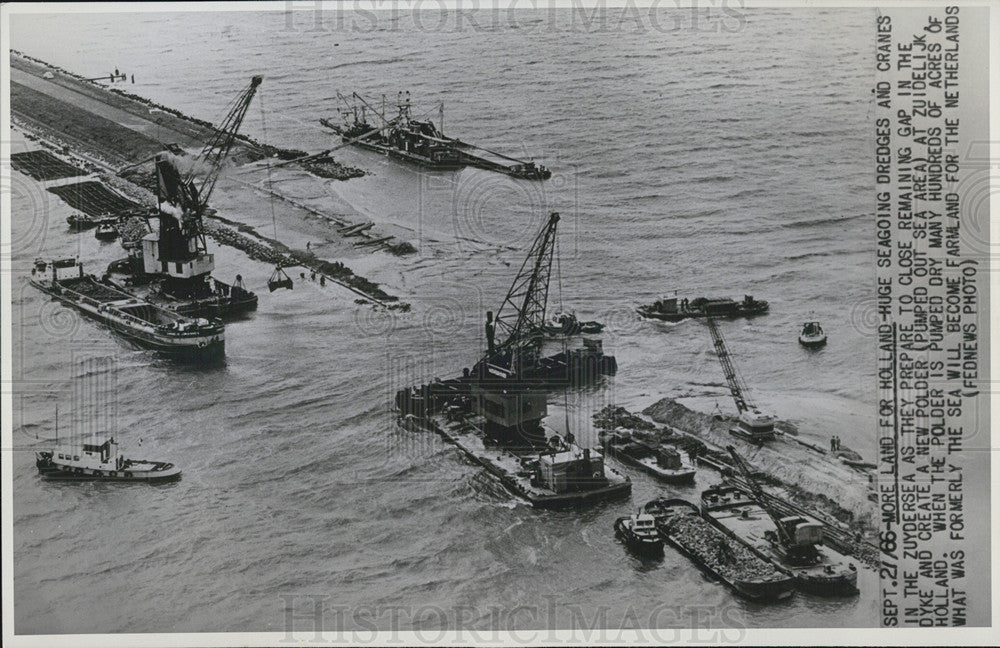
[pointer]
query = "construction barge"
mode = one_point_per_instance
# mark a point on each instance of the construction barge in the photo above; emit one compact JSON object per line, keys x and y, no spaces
{"x":794,"y":544}
{"x":138,"y":321}
{"x":494,"y":411}
{"x":674,"y":310}
{"x":557,"y":474}
{"x":421,"y":142}
{"x":680,"y":524}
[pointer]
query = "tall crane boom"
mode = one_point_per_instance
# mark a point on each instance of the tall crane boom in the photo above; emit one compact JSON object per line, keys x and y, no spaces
{"x":217,"y":148}
{"x":736,"y":385}
{"x":183,"y":187}
{"x":522,"y":313}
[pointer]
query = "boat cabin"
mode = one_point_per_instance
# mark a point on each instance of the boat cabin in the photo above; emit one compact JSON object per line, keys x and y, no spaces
{"x":803,"y":531}
{"x":668,"y":458}
{"x":643,"y":523}
{"x":571,"y":470}
{"x":812,"y":328}
{"x":89,"y":455}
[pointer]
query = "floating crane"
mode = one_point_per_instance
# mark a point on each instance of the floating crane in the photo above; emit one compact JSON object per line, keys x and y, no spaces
{"x":178,"y":249}
{"x":513,"y":367}
{"x":753,"y":425}
{"x":420,"y":141}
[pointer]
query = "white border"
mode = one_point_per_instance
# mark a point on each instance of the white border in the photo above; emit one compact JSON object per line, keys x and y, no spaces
{"x":750,"y":636}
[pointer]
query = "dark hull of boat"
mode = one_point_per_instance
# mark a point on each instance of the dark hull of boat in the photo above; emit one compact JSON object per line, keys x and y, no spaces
{"x":637,"y":544}
{"x":165,"y":472}
{"x":209,"y":352}
{"x":459,"y":158}
{"x":556,"y":371}
{"x":677,"y":316}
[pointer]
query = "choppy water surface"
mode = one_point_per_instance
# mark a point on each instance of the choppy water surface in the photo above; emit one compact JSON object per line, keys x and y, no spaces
{"x":710,"y":161}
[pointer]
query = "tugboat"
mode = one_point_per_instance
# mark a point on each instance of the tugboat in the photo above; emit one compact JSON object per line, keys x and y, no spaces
{"x":101,"y":461}
{"x":679,"y":523}
{"x":668,"y":465}
{"x":140,"y":322}
{"x":793,"y":544}
{"x":812,"y":335}
{"x":106,"y":231}
{"x":420,"y":142}
{"x":640,"y":534}
{"x":674,"y":310}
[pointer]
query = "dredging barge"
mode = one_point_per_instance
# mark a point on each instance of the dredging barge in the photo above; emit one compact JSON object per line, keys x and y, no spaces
{"x":680,"y":524}
{"x":140,"y":322}
{"x":793,"y":544}
{"x":674,"y":310}
{"x":421,"y":142}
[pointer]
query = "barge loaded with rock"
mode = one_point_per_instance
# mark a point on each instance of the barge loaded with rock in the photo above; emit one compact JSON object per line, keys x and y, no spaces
{"x":792,"y":543}
{"x":140,"y":322}
{"x":420,"y":142}
{"x":680,"y":524}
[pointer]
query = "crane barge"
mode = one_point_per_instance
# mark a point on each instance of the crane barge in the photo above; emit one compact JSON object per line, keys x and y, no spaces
{"x":173,"y":266}
{"x":493,"y":413}
{"x":515,"y":342}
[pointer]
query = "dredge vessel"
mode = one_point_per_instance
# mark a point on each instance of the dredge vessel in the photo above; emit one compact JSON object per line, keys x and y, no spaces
{"x":420,"y":142}
{"x":140,"y":322}
{"x":679,"y":523}
{"x":674,"y":310}
{"x":793,"y":544}
{"x":494,"y":412}
{"x":171,"y":266}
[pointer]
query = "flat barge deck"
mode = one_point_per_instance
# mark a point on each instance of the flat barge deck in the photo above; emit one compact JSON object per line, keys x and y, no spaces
{"x":518,"y":469}
{"x":138,"y":321}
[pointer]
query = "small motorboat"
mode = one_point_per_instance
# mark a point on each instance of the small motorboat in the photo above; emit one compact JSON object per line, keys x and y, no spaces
{"x":106,"y":232}
{"x":812,"y":335}
{"x":563,"y":323}
{"x":640,"y":534}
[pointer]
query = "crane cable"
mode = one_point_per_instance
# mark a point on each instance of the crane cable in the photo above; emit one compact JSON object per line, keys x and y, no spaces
{"x":267,"y":160}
